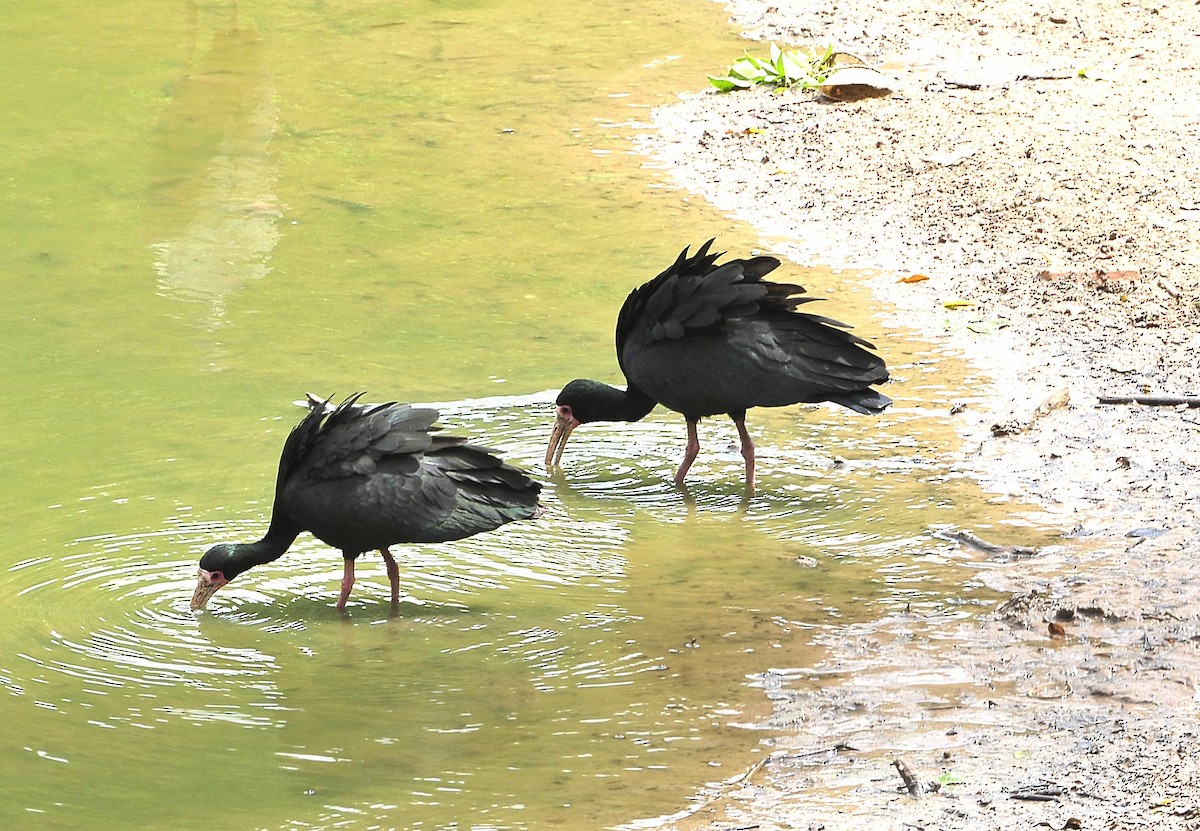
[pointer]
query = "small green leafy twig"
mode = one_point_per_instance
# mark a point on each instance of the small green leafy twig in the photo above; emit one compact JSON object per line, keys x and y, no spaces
{"x":783,"y":68}
{"x":948,"y":778}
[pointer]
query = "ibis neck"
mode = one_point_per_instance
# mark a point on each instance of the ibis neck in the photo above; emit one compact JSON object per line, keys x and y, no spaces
{"x":280,"y":535}
{"x":629,"y":404}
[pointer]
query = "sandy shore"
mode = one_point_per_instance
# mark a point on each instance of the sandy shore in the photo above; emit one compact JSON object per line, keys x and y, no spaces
{"x":1065,"y":209}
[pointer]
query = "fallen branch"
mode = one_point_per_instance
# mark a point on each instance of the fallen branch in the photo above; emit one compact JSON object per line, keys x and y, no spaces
{"x":978,"y":85}
{"x":816,"y":751}
{"x":1043,"y":792}
{"x":780,"y":755}
{"x":1152,"y":400}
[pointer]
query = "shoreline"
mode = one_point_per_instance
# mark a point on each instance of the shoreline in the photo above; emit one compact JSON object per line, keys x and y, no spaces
{"x":1061,"y":208}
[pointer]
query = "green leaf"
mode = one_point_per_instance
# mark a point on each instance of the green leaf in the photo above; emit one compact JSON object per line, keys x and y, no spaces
{"x":723,"y":84}
{"x":776,"y":62}
{"x":742,"y":81}
{"x":749,"y":69}
{"x":790,"y":69}
{"x":827,"y":58}
{"x":781,"y":68}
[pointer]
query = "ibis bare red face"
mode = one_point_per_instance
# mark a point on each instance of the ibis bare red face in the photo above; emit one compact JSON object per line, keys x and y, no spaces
{"x":209,"y":582}
{"x":564,"y":423}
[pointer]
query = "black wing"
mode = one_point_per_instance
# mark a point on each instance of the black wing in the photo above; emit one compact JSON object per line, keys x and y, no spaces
{"x":488,"y":491}
{"x":362,"y":477}
{"x":353,"y":439}
{"x":703,"y":338}
{"x":695,"y":292}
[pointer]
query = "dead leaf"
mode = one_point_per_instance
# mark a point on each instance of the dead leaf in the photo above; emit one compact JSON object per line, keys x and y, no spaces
{"x":854,"y":83}
{"x":912,"y":278}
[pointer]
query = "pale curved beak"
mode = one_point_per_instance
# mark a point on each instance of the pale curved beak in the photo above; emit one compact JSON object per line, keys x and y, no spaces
{"x":563,"y":425}
{"x":210,"y":581}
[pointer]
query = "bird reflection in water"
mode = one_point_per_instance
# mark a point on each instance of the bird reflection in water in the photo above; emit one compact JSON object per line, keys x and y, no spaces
{"x":212,"y":217}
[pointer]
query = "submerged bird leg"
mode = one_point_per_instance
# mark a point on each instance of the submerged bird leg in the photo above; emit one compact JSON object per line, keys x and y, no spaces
{"x":747,"y":452}
{"x":689,"y":453}
{"x":347,"y":583}
{"x":393,"y":571}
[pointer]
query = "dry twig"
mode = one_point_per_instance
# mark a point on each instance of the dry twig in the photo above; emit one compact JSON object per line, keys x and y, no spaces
{"x":1060,"y":399}
{"x":910,"y":779}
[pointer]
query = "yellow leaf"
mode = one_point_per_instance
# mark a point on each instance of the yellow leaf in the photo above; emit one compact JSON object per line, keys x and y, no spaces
{"x":957,"y":304}
{"x":912,"y":278}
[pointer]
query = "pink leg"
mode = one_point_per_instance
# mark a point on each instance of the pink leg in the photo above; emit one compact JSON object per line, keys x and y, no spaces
{"x":689,"y":455}
{"x":393,"y":572}
{"x":747,"y":454}
{"x":347,"y":583}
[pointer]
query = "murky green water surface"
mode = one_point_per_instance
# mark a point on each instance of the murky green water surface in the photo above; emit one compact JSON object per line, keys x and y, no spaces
{"x":210,"y":209}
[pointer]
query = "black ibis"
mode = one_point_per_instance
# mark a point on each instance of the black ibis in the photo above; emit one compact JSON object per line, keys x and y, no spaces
{"x":703,"y":339}
{"x":363,"y":477}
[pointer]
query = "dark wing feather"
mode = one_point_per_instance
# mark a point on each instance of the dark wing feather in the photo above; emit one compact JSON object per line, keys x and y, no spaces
{"x":356,"y":439}
{"x":704,"y":338}
{"x":362,"y":477}
{"x":299,"y":443}
{"x":696,"y":293}
{"x":489,"y":492}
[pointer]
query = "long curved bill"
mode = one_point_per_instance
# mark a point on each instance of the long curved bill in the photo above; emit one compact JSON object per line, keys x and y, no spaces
{"x":205,"y":588}
{"x":563,"y":425}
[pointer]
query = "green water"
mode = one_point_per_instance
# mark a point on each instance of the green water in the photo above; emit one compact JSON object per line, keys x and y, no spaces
{"x":210,"y":209}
